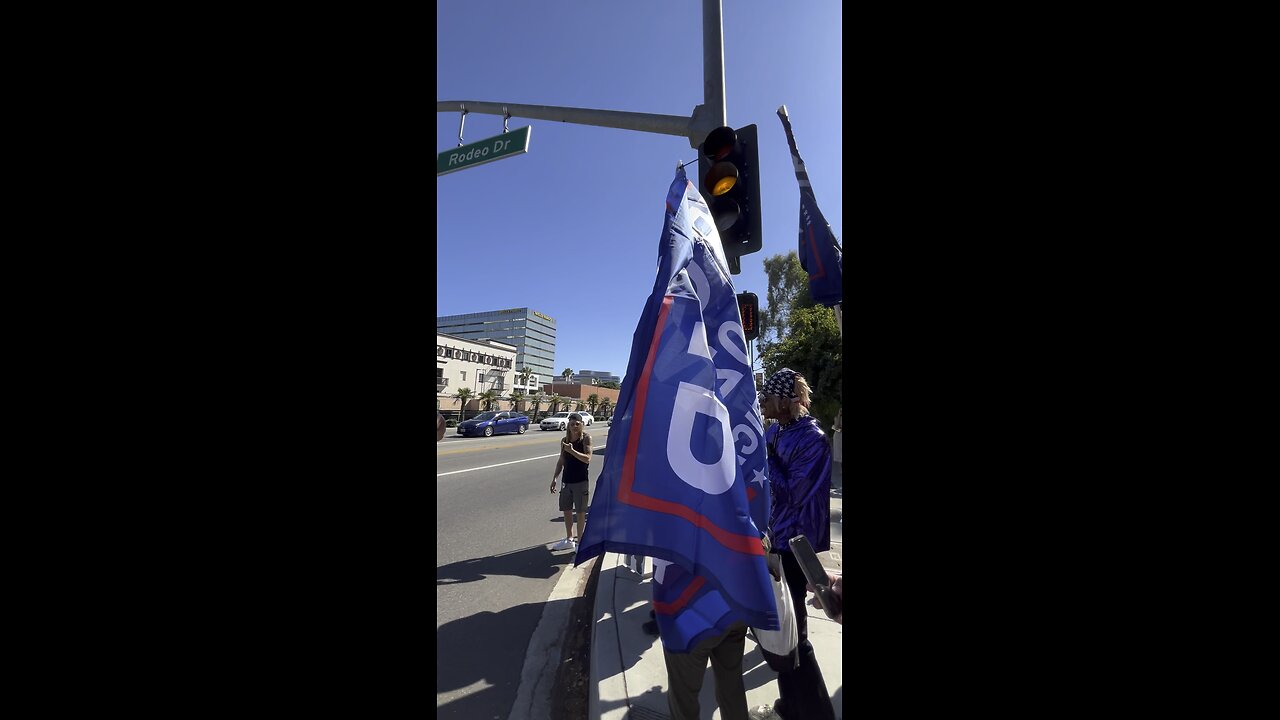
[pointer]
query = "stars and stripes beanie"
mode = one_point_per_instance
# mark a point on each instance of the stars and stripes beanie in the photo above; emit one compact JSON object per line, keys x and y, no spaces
{"x":782,"y":383}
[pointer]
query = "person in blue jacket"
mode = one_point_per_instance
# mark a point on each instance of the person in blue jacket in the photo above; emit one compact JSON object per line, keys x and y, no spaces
{"x":800,"y":479}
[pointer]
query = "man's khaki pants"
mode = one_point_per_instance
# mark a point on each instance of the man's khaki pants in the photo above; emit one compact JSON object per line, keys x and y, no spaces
{"x":686,"y":670}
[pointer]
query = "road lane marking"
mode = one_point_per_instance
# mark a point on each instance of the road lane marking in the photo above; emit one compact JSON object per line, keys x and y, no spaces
{"x":490,"y":447}
{"x":513,"y":462}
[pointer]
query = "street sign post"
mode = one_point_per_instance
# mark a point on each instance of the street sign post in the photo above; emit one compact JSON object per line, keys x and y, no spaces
{"x":502,"y":146}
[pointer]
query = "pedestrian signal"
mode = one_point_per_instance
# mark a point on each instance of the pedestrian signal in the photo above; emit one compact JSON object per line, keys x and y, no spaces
{"x":749,"y":309}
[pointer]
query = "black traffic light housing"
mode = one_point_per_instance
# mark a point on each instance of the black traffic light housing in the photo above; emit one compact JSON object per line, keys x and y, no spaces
{"x":729,"y":162}
{"x":749,"y":309}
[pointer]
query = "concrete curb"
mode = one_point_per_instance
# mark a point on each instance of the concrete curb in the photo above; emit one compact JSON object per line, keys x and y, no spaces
{"x":533,"y":696}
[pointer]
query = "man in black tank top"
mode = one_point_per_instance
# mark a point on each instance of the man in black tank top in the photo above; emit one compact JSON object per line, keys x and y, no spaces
{"x":575,"y":457}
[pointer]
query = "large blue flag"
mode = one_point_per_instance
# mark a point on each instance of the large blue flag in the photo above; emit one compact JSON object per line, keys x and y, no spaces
{"x":684,"y":471}
{"x":820,"y":253}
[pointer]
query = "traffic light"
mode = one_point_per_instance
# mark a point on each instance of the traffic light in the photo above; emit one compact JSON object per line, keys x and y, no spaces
{"x":749,"y":309}
{"x":729,"y":168}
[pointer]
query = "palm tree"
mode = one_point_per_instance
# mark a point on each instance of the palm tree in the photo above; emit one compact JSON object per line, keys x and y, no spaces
{"x":488,"y":397}
{"x":566,"y":373}
{"x":516,"y":397}
{"x":556,"y":400}
{"x":605,"y":407}
{"x":463,"y":394}
{"x":592,"y":401}
{"x":538,"y":398}
{"x":524,"y":375}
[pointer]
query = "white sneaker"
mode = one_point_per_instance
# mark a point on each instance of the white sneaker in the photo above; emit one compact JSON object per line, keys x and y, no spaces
{"x":564,"y":544}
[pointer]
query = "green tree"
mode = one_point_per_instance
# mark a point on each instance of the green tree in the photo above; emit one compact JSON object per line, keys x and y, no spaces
{"x":523,"y":375}
{"x":538,"y":398}
{"x":612,"y":385}
{"x":566,"y":374}
{"x":605,"y":407}
{"x":811,"y":346}
{"x":489,"y":398}
{"x":788,"y":292}
{"x":592,"y":401}
{"x":463,"y":394}
{"x":556,"y":401}
{"x":516,"y":397}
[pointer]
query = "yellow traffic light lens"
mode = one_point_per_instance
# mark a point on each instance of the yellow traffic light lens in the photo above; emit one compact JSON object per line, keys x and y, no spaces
{"x":721,"y":179}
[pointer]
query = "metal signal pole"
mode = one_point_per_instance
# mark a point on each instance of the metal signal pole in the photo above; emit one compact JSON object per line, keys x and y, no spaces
{"x":706,"y":117}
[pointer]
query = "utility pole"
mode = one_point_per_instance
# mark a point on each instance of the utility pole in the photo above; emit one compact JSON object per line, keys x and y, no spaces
{"x":706,"y":117}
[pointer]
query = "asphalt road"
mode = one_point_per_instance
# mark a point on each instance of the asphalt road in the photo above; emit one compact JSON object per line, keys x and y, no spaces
{"x":495,"y":520}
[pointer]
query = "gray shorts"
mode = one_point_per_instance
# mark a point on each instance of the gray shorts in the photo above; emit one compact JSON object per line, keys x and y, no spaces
{"x":574,"y":497}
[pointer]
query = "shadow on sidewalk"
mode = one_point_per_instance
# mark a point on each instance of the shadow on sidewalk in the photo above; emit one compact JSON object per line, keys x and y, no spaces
{"x":479,"y":650}
{"x":532,"y":562}
{"x":755,"y":674}
{"x":630,"y":628}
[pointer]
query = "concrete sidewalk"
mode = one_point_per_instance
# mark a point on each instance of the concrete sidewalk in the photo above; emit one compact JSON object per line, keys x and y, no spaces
{"x":628,"y":674}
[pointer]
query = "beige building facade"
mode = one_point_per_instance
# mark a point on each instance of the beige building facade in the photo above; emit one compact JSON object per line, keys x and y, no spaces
{"x":478,"y":365}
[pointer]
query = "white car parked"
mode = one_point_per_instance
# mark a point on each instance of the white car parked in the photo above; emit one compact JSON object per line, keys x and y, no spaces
{"x":558,"y":421}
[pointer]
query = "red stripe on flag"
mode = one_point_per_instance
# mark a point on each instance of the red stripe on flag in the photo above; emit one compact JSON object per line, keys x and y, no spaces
{"x":813,"y":247}
{"x":642,"y":396}
{"x":676,"y":605}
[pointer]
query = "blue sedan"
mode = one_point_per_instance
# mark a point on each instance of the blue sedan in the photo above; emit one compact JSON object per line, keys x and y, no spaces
{"x":494,"y":423}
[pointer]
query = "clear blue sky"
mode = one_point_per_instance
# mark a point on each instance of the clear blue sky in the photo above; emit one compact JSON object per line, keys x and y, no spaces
{"x":571,"y":228}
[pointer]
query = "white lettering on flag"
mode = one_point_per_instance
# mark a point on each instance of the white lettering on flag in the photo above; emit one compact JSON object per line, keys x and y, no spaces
{"x":698,"y":342}
{"x":730,"y":378}
{"x":712,"y":478}
{"x":700,"y":286}
{"x":659,"y":569}
{"x":745,"y":431}
{"x":736,"y":349}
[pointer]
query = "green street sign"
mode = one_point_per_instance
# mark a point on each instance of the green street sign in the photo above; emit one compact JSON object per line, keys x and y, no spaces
{"x":506,"y":145}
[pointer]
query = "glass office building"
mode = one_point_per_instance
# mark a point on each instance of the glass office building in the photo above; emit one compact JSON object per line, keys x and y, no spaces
{"x":532,"y":333}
